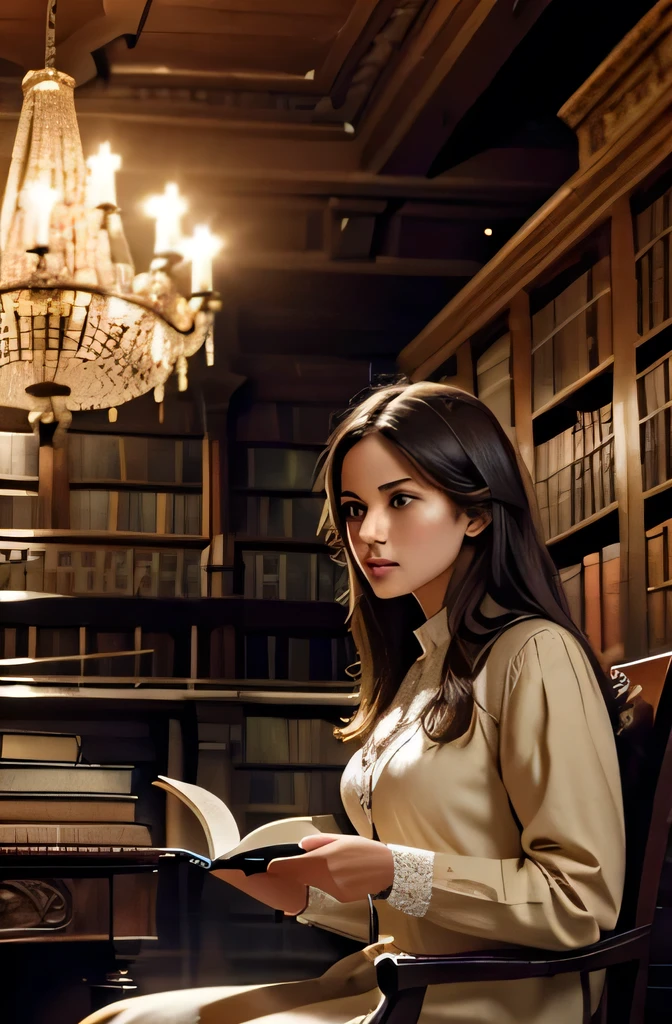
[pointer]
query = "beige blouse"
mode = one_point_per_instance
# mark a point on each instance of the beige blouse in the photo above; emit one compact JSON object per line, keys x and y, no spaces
{"x":511,"y":834}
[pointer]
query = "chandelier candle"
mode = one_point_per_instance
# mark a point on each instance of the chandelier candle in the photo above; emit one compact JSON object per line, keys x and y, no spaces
{"x":200,"y":250}
{"x":167,"y":210}
{"x":38,"y":201}
{"x":102,"y":185}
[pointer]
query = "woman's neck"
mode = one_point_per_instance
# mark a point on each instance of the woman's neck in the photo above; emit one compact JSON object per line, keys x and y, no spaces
{"x":431,"y":596}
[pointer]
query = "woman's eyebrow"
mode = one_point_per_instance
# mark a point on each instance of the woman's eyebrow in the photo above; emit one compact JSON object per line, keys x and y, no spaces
{"x":383,"y":487}
{"x":387,"y":487}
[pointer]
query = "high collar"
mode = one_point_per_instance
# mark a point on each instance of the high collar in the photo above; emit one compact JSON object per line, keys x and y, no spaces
{"x":433,"y":633}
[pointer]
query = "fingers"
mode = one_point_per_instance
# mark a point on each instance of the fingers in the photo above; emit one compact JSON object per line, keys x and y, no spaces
{"x":309,"y":869}
{"x":316,"y":841}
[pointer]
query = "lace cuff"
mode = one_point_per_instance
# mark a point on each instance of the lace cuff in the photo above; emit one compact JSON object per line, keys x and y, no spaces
{"x":413,"y":876}
{"x":318,"y":902}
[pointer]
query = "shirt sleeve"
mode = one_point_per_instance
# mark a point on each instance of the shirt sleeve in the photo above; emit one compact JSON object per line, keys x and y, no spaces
{"x":560,"y":769}
{"x":348,"y":919}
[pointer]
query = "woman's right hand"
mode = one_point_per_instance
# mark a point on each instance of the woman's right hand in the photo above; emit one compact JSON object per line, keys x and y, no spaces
{"x":279,"y":893}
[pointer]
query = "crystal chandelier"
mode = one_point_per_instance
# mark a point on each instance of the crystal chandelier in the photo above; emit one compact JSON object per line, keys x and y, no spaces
{"x":79,"y":329}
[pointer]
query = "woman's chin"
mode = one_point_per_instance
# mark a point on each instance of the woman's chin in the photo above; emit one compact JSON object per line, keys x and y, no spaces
{"x":388,"y":588}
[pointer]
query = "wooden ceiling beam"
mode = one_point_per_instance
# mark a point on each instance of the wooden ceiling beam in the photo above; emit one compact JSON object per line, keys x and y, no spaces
{"x":381,"y":265}
{"x":445,"y":68}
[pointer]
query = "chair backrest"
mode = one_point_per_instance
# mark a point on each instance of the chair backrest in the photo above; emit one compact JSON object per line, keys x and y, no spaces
{"x":645,"y":755}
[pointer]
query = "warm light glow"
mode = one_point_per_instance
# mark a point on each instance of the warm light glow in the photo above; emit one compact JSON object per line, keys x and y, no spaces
{"x":38,"y":202}
{"x":101,"y":186}
{"x":488,"y":232}
{"x":167,"y":210}
{"x":200,"y":250}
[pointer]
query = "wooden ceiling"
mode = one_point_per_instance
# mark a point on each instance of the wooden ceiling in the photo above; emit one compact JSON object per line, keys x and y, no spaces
{"x":316,"y":135}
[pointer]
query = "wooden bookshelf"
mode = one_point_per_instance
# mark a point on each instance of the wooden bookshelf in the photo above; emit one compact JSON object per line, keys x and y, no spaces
{"x":585,"y":288}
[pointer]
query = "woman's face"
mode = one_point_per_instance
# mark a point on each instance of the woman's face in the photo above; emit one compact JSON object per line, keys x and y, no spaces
{"x":404,"y":533}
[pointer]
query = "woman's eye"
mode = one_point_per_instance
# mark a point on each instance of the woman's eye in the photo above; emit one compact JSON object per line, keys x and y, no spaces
{"x":352,"y":511}
{"x":401,"y":500}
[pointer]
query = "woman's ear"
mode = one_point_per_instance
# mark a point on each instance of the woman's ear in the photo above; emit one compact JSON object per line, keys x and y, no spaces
{"x":478,"y":524}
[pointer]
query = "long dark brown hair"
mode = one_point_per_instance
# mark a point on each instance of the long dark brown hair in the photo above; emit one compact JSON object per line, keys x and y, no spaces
{"x":459,"y":446}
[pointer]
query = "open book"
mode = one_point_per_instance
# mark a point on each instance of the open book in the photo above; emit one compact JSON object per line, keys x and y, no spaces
{"x":221,"y":838}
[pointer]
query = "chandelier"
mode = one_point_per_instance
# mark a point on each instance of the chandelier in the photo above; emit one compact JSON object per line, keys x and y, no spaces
{"x":79,"y":329}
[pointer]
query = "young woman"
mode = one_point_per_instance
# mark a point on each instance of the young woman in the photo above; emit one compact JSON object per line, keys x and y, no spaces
{"x":486,"y":793}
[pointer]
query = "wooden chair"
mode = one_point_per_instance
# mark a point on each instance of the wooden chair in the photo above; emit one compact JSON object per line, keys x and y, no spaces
{"x":645,"y":753}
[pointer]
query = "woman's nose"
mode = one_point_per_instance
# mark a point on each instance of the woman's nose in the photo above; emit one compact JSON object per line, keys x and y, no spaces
{"x":373,"y":529}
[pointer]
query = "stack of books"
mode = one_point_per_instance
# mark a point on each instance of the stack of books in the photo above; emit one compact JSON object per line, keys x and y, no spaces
{"x":574,"y":472}
{"x":49,"y":797}
{"x":592,"y":588}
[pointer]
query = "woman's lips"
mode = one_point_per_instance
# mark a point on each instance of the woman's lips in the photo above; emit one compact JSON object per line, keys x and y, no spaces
{"x":380,"y":569}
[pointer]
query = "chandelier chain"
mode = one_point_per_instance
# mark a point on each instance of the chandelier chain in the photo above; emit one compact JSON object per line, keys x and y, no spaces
{"x":50,"y":40}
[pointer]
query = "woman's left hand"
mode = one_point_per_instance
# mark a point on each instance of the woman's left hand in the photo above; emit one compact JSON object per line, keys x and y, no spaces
{"x":346,"y":867}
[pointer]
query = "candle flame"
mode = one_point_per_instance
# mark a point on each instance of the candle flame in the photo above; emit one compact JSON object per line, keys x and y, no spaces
{"x":170,"y":203}
{"x":201,"y":243}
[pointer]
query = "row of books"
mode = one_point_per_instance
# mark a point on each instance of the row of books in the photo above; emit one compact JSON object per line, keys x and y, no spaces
{"x":659,"y":582}
{"x":652,"y":221}
{"x":653,"y":285}
{"x":269,"y":516}
{"x":653,"y":266}
{"x":18,"y":511}
{"x":574,"y":472}
{"x":655,"y":429}
{"x":18,"y":454}
{"x":494,"y":383}
{"x":130,"y":571}
{"x":135,"y":511}
{"x":592,"y":588}
{"x":655,"y":387}
{"x":655,"y":439}
{"x":571,"y":334}
{"x":295,"y":793}
{"x":291,"y":576}
{"x":134,"y":459}
{"x":280,"y":469}
{"x":281,"y":421}
{"x":139,"y":572}
{"x":270,"y":740}
{"x":296,"y":658}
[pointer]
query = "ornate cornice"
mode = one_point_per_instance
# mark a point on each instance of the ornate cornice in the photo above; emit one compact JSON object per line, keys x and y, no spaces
{"x":628,"y":85}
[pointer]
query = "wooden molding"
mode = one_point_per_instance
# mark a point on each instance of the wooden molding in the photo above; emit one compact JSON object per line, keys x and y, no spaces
{"x":635,"y":75}
{"x":521,"y":352}
{"x":627,"y":459}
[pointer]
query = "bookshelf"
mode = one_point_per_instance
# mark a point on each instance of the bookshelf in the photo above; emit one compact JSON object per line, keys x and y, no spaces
{"x":286,"y":766}
{"x":132,"y":519}
{"x":18,"y":480}
{"x":583,"y":295}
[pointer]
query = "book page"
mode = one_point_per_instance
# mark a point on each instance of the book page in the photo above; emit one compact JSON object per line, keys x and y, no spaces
{"x":285,"y":830}
{"x":217,"y":820}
